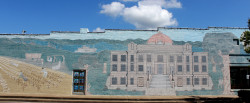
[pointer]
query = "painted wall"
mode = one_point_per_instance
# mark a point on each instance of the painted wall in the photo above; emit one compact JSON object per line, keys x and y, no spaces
{"x":65,"y":51}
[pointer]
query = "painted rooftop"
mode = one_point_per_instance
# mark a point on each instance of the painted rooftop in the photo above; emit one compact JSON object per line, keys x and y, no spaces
{"x":178,"y":34}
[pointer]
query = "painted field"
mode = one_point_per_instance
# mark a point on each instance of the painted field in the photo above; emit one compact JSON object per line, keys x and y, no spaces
{"x":20,"y":77}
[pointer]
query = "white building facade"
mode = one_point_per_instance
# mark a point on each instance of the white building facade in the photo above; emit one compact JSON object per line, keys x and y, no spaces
{"x":159,"y":64}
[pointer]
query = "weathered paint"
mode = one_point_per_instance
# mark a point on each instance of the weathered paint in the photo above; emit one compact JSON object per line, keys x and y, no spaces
{"x":59,"y":52}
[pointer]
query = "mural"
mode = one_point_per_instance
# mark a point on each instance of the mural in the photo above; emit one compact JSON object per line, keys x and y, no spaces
{"x":167,"y":61}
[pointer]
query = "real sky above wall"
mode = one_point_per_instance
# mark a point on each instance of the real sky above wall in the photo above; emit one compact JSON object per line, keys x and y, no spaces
{"x":43,"y":16}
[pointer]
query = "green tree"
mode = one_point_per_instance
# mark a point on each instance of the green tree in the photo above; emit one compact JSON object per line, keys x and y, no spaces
{"x":245,"y":38}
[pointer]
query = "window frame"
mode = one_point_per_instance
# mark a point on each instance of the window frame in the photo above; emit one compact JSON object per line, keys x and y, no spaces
{"x":187,"y":59}
{"x":149,"y":58}
{"x":132,"y":82}
{"x":140,"y":67}
{"x":178,"y":68}
{"x":112,"y":79}
{"x":188,"y":81}
{"x":113,"y":67}
{"x":204,"y":83}
{"x":196,"y":68}
{"x":179,"y":59}
{"x":123,"y":58}
{"x":132,"y":58}
{"x":160,"y":58}
{"x":196,"y":81}
{"x":171,"y":59}
{"x":187,"y":68}
{"x":204,"y":59}
{"x":196,"y":59}
{"x":123,"y":81}
{"x":123,"y":67}
{"x":202,"y":69}
{"x":140,"y":58}
{"x":132,"y":65}
{"x":114,"y":57}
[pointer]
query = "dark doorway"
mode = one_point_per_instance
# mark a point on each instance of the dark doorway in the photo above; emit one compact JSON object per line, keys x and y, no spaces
{"x":79,"y":81}
{"x":240,"y":77}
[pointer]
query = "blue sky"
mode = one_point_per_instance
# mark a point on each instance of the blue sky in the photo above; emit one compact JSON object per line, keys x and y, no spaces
{"x":43,"y":16}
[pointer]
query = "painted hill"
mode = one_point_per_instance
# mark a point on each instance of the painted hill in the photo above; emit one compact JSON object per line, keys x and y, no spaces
{"x":20,"y":77}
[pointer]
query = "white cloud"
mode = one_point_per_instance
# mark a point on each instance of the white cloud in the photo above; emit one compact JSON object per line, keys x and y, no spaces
{"x":114,"y":9}
{"x":98,"y":29}
{"x":172,"y":4}
{"x":162,"y":3}
{"x":148,"y":14}
{"x":148,"y":17}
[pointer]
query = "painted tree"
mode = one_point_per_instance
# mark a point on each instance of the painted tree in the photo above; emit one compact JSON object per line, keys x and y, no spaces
{"x":245,"y":38}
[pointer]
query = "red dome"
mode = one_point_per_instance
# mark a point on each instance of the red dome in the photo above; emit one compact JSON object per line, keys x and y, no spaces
{"x":159,"y":38}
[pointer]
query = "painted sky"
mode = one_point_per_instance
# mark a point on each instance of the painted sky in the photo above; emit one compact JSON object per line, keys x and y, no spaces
{"x":43,"y":16}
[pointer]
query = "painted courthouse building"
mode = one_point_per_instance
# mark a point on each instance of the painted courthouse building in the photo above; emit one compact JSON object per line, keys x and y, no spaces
{"x":159,"y":64}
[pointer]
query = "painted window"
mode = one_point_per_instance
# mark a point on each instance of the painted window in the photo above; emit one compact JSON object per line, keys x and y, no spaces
{"x":196,"y":59}
{"x":123,"y":80}
{"x":196,"y":68}
{"x":204,"y":81}
{"x":114,"y":57}
{"x":204,"y":59}
{"x":123,"y":58}
{"x":148,"y":58}
{"x":187,"y":68}
{"x":204,"y":68}
{"x":196,"y":81}
{"x":114,"y":67}
{"x":140,"y":58}
{"x":123,"y":67}
{"x":76,"y":74}
{"x":82,"y":74}
{"x":131,"y":58}
{"x":131,"y":81}
{"x":140,"y":67}
{"x":75,"y":80}
{"x":75,"y":87}
{"x":132,"y":67}
{"x":179,"y":59}
{"x":187,"y":59}
{"x":81,"y":88}
{"x":179,"y":68}
{"x":188,"y":81}
{"x":81,"y":80}
{"x":159,"y":58}
{"x":114,"y":81}
{"x":171,"y":59}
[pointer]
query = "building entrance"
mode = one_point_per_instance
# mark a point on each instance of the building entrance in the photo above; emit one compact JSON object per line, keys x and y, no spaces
{"x":160,"y":69}
{"x":240,"y":77}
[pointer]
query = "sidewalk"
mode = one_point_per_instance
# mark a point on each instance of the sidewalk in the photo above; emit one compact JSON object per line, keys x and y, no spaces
{"x":121,"y":99}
